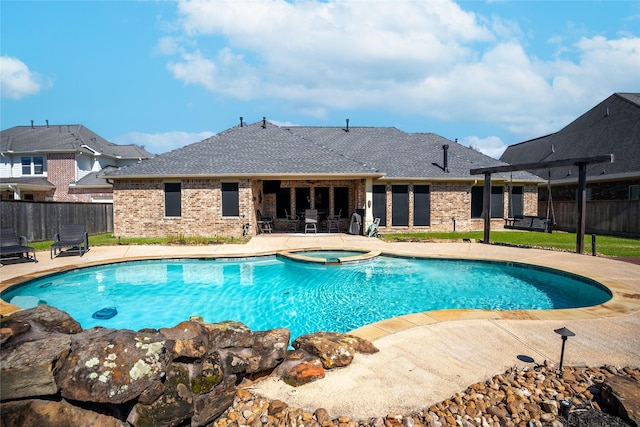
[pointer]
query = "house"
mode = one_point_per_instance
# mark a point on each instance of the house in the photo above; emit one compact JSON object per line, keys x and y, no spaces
{"x":613,"y":189}
{"x":60,"y":163}
{"x":412,"y":182}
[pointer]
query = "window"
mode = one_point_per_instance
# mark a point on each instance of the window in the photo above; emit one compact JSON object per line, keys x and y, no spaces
{"x":380,"y":203}
{"x":341,"y":201}
{"x":634,"y":192}
{"x":172,"y":199}
{"x":399,"y":205}
{"x":32,"y":165}
{"x":230,"y":199}
{"x":283,"y":201}
{"x":477,"y":202}
{"x":322,"y":200}
{"x":516,"y":201}
{"x":303,"y":199}
{"x":421,"y":205}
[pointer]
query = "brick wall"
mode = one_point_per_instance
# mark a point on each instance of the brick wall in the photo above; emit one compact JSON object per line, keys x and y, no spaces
{"x":139,"y":209}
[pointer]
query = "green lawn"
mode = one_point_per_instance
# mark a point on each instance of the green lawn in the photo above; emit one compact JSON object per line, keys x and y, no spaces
{"x":605,"y":245}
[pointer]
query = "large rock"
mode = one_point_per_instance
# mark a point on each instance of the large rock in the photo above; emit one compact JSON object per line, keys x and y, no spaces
{"x":268,"y":349}
{"x":621,"y":395}
{"x":187,"y":339}
{"x":112,"y":366}
{"x":28,"y":370}
{"x":173,"y":407}
{"x":333,"y":349}
{"x":36,"y":323}
{"x":228,"y":334}
{"x":44,"y":413}
{"x":208,"y":407}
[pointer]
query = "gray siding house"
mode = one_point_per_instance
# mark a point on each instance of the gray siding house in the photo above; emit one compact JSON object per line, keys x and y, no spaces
{"x":412,"y":182}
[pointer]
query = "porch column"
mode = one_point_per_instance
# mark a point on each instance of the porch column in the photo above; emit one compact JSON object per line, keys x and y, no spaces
{"x":487,"y":208}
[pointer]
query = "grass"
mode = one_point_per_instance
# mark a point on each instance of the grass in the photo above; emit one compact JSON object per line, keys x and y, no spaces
{"x":108,"y":239}
{"x":605,"y":245}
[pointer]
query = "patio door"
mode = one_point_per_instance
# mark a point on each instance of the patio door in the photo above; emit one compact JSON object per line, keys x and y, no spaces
{"x":303,"y":199}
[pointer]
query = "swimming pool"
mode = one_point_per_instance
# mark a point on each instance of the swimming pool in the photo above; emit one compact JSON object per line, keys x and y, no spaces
{"x":271,"y":291}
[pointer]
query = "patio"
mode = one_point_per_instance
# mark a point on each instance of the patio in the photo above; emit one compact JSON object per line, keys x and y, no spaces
{"x":427,"y":357}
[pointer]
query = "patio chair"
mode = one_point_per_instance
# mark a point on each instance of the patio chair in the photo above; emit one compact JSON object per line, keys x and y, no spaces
{"x":311,"y":220}
{"x":11,"y":245}
{"x":265,"y":223}
{"x":292,"y":221}
{"x":333,"y":222}
{"x":73,"y":236}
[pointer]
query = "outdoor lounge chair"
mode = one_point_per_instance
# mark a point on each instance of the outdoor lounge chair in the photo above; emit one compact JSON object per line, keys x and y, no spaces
{"x":265,"y":223}
{"x":311,"y":220}
{"x":292,"y":221}
{"x":333,"y":222}
{"x":73,"y":236}
{"x":11,"y":245}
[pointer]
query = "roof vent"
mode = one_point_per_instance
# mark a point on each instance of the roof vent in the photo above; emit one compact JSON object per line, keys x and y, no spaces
{"x":31,"y":124}
{"x":241,"y":124}
{"x":445,"y":161}
{"x":347,"y":129}
{"x":47,"y":121}
{"x":264,"y":122}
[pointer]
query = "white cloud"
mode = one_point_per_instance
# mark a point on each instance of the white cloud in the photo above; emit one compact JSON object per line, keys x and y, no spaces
{"x":158,"y":143}
{"x":491,"y":146}
{"x":429,"y":58}
{"x":17,"y":80}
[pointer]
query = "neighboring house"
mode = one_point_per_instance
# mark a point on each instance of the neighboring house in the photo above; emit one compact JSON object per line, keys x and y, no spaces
{"x":613,"y":189}
{"x":412,"y":182}
{"x":60,"y":163}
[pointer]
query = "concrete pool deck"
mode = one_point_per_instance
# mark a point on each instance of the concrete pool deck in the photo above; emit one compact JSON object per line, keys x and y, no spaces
{"x":426,"y":357}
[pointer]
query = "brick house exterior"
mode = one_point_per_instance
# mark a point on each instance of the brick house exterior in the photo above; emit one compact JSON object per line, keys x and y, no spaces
{"x":212,"y":187}
{"x":60,"y":163}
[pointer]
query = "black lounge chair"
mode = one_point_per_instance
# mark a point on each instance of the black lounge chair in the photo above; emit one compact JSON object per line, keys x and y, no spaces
{"x":11,"y":245}
{"x":73,"y":236}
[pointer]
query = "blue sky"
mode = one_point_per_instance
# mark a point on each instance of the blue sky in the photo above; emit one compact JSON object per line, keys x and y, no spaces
{"x":164,"y":74}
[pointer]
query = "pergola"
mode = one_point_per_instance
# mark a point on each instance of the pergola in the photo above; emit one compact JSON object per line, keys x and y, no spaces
{"x":582,"y":188}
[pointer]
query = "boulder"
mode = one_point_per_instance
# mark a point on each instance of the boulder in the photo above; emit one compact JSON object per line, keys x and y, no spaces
{"x":208,"y":407}
{"x":228,"y":334}
{"x":45,"y":413}
{"x":28,"y":370}
{"x":187,"y":339}
{"x":43,"y":321}
{"x":334,"y":349}
{"x":268,"y":349}
{"x":621,"y":396}
{"x":112,"y":366}
{"x":303,"y":373}
{"x":172,"y":407}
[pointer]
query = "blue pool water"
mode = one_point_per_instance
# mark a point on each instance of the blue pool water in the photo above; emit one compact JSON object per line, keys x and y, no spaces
{"x":271,"y":292}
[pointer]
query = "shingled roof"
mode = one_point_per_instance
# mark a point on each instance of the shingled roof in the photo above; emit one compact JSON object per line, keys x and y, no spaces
{"x":611,"y":127}
{"x":65,"y":138}
{"x":264,"y":149}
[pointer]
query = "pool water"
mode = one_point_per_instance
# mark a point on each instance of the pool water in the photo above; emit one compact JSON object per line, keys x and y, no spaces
{"x":327,"y":254}
{"x":272,"y":292}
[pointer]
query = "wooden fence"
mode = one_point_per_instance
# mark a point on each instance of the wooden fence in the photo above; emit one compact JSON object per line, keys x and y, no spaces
{"x":607,"y":217}
{"x":42,"y":220}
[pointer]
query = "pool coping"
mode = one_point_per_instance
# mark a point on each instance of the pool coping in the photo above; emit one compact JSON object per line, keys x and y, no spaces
{"x":625,"y":300}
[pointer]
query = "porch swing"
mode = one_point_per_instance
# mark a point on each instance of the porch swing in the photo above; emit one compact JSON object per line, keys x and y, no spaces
{"x":530,"y":222}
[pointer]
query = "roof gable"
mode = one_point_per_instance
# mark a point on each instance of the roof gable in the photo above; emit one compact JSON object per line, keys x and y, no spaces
{"x":611,"y":127}
{"x":65,"y":138}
